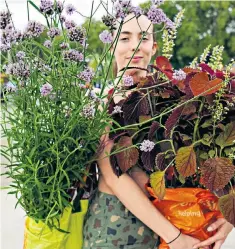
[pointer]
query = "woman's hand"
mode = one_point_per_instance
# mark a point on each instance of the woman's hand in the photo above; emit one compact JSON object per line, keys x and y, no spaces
{"x":185,"y":242}
{"x":223,"y":229}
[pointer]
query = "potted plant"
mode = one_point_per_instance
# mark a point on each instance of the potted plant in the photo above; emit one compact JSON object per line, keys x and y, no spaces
{"x":179,"y":125}
{"x":52,"y":121}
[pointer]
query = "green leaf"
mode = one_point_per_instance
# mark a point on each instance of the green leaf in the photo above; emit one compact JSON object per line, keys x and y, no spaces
{"x":35,"y":6}
{"x":207,"y":139}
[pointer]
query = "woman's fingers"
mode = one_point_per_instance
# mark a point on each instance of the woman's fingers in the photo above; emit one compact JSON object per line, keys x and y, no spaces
{"x":218,"y":244}
{"x":218,"y":223}
{"x":207,"y":242}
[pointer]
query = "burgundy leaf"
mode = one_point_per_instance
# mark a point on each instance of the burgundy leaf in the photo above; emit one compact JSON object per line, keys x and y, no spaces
{"x":172,"y":120}
{"x":134,"y":106}
{"x":128,"y":157}
{"x":153,"y":128}
{"x":160,"y":161}
{"x":206,"y":68}
{"x":147,"y":159}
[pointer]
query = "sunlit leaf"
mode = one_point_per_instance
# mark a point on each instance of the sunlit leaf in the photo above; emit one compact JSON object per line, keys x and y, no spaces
{"x":157,"y":182}
{"x":201,"y":85}
{"x":186,"y":161}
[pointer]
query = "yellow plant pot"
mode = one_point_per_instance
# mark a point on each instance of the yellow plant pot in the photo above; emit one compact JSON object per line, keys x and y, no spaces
{"x":40,"y":236}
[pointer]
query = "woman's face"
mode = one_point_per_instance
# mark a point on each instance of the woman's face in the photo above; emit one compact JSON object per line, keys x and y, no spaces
{"x":129,"y":39}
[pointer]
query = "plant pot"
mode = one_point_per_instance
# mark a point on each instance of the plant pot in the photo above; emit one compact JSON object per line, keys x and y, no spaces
{"x":40,"y":236}
{"x":191,"y":210}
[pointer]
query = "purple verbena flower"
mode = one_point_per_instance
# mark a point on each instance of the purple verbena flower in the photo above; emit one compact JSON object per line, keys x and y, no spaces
{"x":106,"y":37}
{"x":69,"y":24}
{"x":47,"y":44}
{"x":18,"y":69}
{"x":86,"y":75}
{"x":46,"y":89}
{"x":109,"y":21}
{"x":5,"y":19}
{"x":128,"y":80}
{"x":88,"y":111}
{"x":46,"y":7}
{"x":158,"y":2}
{"x":179,"y":75}
{"x":77,"y":34}
{"x":59,"y":7}
{"x":169,"y":24}
{"x":63,"y":19}
{"x":20,"y":55}
{"x":117,"y":109}
{"x":64,"y":45}
{"x":70,"y":9}
{"x":34,"y":29}
{"x":5,"y":47}
{"x":73,"y":55}
{"x":137,"y":11}
{"x":156,"y":15}
{"x":147,"y":146}
{"x":53,"y":32}
{"x":10,"y":87}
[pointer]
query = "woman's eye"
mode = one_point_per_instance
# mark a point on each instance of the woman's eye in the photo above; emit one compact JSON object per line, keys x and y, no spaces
{"x":124,"y":39}
{"x":145,"y":38}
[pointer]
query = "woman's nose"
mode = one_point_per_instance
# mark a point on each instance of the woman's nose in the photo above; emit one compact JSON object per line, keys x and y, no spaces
{"x":134,"y":44}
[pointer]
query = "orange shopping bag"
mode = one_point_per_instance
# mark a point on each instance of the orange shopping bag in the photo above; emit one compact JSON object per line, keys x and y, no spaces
{"x":191,"y":210}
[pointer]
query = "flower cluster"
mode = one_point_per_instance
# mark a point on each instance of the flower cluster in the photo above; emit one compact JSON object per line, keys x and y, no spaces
{"x":128,"y":80}
{"x":69,"y":24}
{"x":34,"y":29}
{"x":88,"y":111}
{"x":47,"y":6}
{"x":117,"y":109}
{"x":64,"y":45}
{"x":70,"y":9}
{"x":18,"y":69}
{"x":46,"y":89}
{"x":122,"y":8}
{"x":47,"y":44}
{"x":10,"y":87}
{"x":158,"y":2}
{"x":73,"y":55}
{"x":77,"y":34}
{"x":5,"y":19}
{"x":86,"y":75}
{"x":156,"y":15}
{"x":53,"y":32}
{"x":179,"y":75}
{"x":106,"y":36}
{"x":20,"y":55}
{"x":109,"y":21}
{"x":147,"y":146}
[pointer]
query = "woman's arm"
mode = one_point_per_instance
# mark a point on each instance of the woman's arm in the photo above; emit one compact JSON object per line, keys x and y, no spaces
{"x":140,"y":177}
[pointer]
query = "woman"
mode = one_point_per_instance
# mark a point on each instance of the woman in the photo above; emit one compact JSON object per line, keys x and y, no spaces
{"x":120,"y":214}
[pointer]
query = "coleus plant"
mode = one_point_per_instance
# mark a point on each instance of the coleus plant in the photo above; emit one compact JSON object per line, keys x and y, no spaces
{"x":179,"y":125}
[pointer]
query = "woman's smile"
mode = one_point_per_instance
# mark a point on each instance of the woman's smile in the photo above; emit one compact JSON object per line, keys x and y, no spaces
{"x":135,"y":59}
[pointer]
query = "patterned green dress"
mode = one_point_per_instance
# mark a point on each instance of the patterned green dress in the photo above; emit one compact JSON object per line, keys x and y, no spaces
{"x":108,"y":224}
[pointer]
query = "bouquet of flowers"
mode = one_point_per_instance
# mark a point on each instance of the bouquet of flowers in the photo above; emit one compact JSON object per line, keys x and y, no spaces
{"x":179,"y":125}
{"x":52,"y":119}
